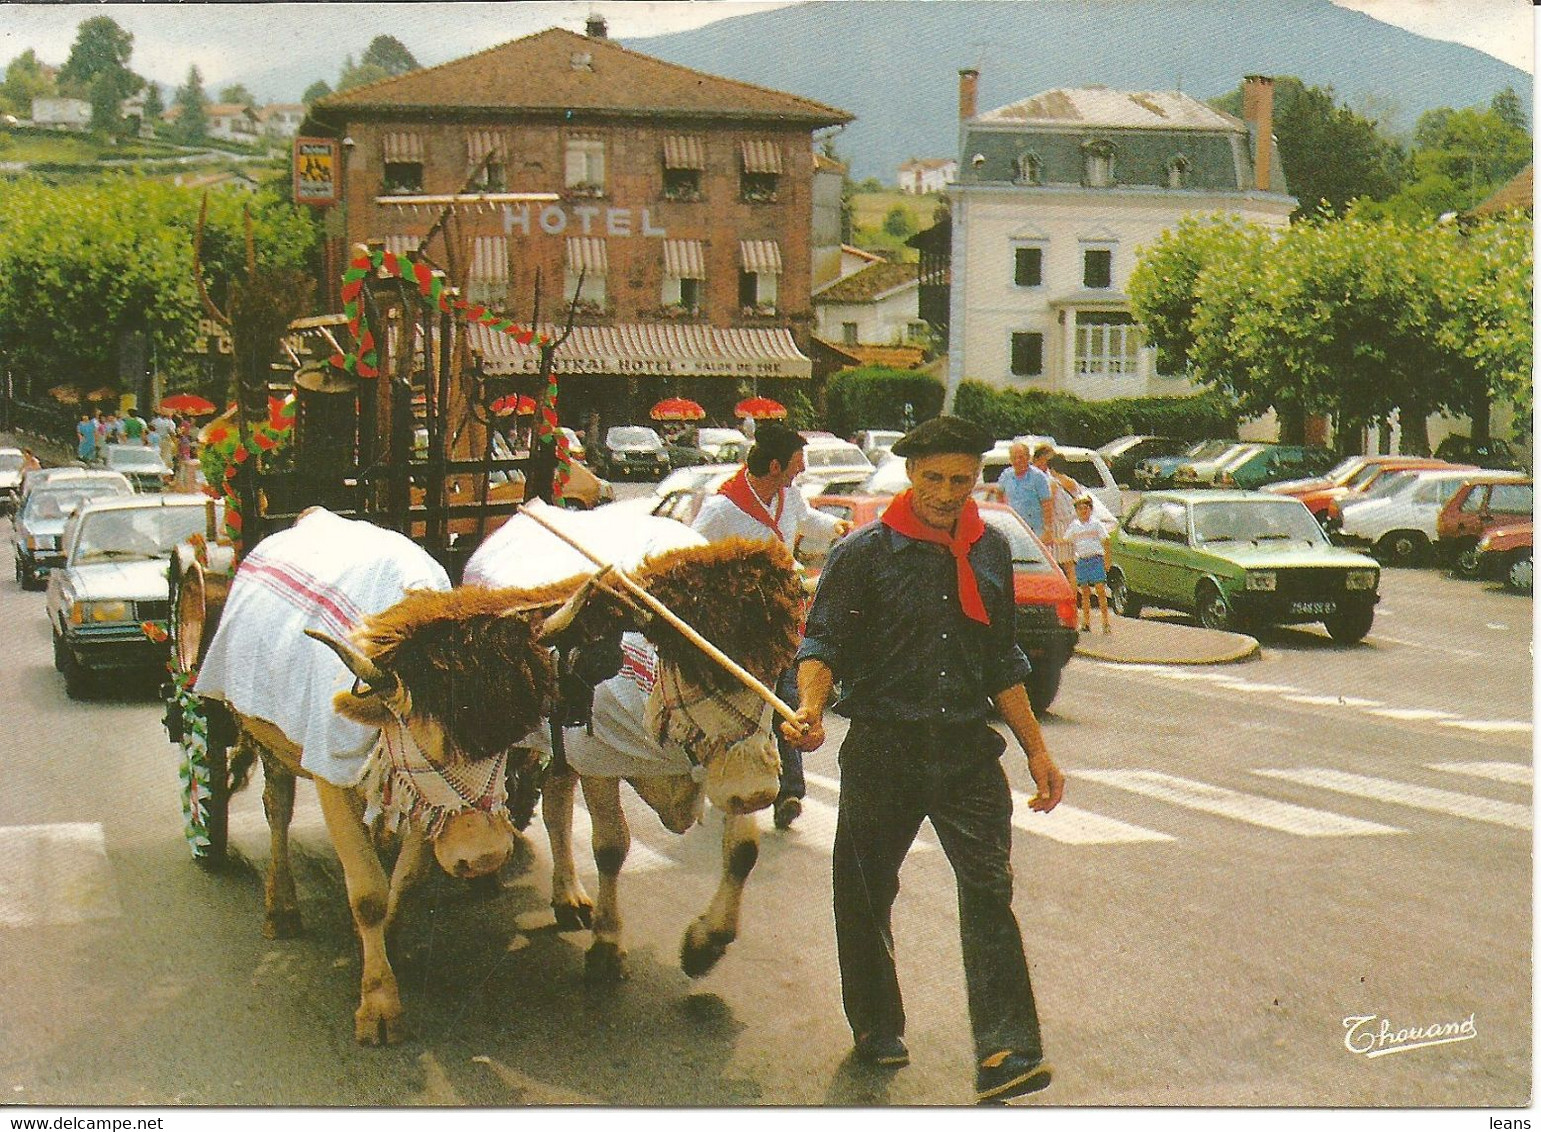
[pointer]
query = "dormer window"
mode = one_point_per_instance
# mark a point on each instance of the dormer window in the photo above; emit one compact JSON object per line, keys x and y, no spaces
{"x":1097,"y":164}
{"x":1029,"y":169}
{"x":582,"y":61}
{"x":1177,"y":172}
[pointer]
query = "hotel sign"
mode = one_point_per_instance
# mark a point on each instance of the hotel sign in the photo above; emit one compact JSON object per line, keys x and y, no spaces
{"x":316,"y":166}
{"x":670,"y":367}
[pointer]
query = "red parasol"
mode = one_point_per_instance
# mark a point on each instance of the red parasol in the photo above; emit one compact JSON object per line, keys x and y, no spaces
{"x":520,"y":403}
{"x":187,"y":403}
{"x":677,"y":409}
{"x":760,"y":409}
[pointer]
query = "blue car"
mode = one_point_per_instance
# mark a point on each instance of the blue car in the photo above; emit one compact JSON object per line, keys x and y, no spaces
{"x":1156,"y":472}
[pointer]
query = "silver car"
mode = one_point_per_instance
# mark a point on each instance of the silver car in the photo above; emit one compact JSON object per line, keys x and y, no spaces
{"x":36,"y":531}
{"x":140,"y":463}
{"x":109,"y":604}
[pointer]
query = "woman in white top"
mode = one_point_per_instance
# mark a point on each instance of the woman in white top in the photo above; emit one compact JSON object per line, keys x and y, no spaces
{"x":1088,"y":539}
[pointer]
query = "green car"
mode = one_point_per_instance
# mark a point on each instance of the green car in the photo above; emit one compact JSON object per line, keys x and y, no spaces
{"x":1240,"y":558}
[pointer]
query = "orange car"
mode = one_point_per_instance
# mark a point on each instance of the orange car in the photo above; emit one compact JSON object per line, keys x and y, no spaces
{"x":1046,"y":609}
{"x":1352,"y":475}
{"x":1474,"y":510}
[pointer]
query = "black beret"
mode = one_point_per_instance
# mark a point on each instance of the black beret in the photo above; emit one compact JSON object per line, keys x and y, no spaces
{"x":944,"y":434}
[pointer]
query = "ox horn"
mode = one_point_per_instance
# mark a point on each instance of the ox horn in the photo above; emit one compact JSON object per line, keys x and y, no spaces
{"x":358,"y":664}
{"x":565,"y":616}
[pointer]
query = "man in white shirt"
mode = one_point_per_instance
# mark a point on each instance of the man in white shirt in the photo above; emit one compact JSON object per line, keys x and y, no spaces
{"x":759,"y":502}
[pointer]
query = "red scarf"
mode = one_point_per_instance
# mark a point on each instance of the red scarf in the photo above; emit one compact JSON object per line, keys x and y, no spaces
{"x":900,"y":515}
{"x":742,"y":496}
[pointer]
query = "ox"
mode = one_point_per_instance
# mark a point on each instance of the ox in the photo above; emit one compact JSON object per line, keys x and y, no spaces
{"x":411,"y":747}
{"x":672,"y":723}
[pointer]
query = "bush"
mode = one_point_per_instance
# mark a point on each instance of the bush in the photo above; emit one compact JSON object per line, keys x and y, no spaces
{"x":1005,"y":413}
{"x":875,"y":396}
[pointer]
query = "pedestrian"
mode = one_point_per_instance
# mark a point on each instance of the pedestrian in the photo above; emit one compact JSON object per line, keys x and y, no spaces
{"x":914,"y":617}
{"x":1026,"y":486}
{"x":1089,"y":539}
{"x":164,"y":429}
{"x":759,"y":502}
{"x":85,"y":439}
{"x":29,"y":461}
{"x":133,"y":428}
{"x":1066,"y":490}
{"x":112,"y":432}
{"x":101,"y":428}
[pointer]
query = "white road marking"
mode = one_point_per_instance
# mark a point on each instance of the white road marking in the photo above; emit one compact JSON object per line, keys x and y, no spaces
{"x":1441,"y":648}
{"x":1407,"y":794}
{"x":1248,"y":808}
{"x":1319,"y":701}
{"x":1516,"y":773}
{"x":1412,"y":714}
{"x":1245,"y":686}
{"x":1490,"y":726}
{"x":1356,"y":701}
{"x":1073,"y":826}
{"x":55,"y":874}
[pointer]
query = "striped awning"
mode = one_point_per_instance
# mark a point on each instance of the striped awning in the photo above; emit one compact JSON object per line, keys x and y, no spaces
{"x":684,"y":259}
{"x":489,"y":260}
{"x":684,"y":152}
{"x":587,"y":254}
{"x":761,"y":157}
{"x":641,"y":350}
{"x":402,"y":245}
{"x":479,"y":143}
{"x":400,"y":146}
{"x":762,"y":257}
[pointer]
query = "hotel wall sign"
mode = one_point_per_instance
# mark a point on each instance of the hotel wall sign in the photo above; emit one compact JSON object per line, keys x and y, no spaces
{"x":316,"y":171}
{"x":667,"y":367}
{"x":579,"y":220}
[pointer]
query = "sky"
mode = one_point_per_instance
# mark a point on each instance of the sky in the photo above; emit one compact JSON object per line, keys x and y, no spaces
{"x":304,"y":42}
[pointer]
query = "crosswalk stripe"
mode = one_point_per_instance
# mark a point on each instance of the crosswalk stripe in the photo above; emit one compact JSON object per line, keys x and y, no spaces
{"x":1516,"y":773}
{"x":1413,"y":714}
{"x":1407,"y":794}
{"x":55,"y":874}
{"x":1072,"y":826}
{"x":1246,"y":686}
{"x":1266,"y":812}
{"x":1490,"y":726}
{"x":1318,"y":701}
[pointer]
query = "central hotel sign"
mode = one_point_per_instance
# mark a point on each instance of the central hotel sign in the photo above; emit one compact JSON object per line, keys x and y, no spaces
{"x":579,"y":220}
{"x":667,"y":367}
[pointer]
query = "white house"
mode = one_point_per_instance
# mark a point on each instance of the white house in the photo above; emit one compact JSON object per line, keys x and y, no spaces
{"x":281,"y":119}
{"x":61,"y":113}
{"x":878,"y":305}
{"x":927,"y":175}
{"x":1055,"y":196}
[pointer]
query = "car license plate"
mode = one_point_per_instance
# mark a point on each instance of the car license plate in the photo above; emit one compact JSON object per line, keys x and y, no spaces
{"x":1321,"y":608}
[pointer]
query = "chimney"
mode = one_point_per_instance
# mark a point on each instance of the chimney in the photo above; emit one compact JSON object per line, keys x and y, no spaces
{"x":1257,"y":109}
{"x":595,"y":28}
{"x":968,"y":94}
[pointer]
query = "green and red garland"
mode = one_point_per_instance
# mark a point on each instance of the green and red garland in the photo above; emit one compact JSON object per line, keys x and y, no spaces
{"x":223,"y":455}
{"x":364,"y":361}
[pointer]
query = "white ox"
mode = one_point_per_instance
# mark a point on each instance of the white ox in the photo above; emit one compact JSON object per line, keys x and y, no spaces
{"x":389,"y":728}
{"x":671,"y":723}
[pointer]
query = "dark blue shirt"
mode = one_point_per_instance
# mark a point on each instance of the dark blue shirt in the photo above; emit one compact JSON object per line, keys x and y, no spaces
{"x":887,"y":622}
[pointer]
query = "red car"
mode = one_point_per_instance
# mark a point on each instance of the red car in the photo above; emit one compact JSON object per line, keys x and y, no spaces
{"x":1046,"y":604}
{"x":1475,"y":509}
{"x":1353,"y":475}
{"x":1505,"y":553}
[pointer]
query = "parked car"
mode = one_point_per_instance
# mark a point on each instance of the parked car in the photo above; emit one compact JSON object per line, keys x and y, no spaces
{"x":1046,"y":609}
{"x":1155,"y":472}
{"x":1384,"y":482}
{"x":833,"y":465}
{"x":722,"y":445}
{"x":1272,"y":463}
{"x":1240,"y":558}
{"x":1123,"y":454}
{"x":1204,"y":473}
{"x":1491,"y":453}
{"x":634,"y":450}
{"x":40,"y":476}
{"x":140,"y":463}
{"x":10,"y":479}
{"x":681,"y":494}
{"x":998,"y":459}
{"x":1399,"y":525}
{"x":1505,"y":553}
{"x":875,"y":443}
{"x":36,"y":530}
{"x":109,"y":601}
{"x":1352,"y":475}
{"x":1477,"y":507}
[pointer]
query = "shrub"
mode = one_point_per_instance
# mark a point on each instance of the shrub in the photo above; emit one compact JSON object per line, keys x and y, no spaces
{"x":1006,"y":413}
{"x":875,"y":396}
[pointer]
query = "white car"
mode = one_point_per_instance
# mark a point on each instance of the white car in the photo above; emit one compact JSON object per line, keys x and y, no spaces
{"x":832,"y":464}
{"x":1400,"y":526}
{"x":712,"y":441}
{"x":10,"y":478}
{"x":875,"y":443}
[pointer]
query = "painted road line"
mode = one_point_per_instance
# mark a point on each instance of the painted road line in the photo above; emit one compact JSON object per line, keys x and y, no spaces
{"x":824,"y":817}
{"x":1413,"y":715}
{"x":1317,"y":701}
{"x":1490,"y":726}
{"x":55,"y":874}
{"x":1516,"y":773}
{"x":1072,"y":826}
{"x":1406,"y":794}
{"x":1266,"y":812}
{"x":1244,"y":686}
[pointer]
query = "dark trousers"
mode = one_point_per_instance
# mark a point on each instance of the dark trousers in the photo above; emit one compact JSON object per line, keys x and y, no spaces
{"x":891,"y":777}
{"x":792,"y":784}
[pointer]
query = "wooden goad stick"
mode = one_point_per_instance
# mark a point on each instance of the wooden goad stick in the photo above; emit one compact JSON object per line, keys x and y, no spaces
{"x":748,"y":679}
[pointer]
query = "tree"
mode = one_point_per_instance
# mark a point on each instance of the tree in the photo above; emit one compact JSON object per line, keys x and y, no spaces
{"x":237,"y":95}
{"x":359,"y":74}
{"x":898,"y":222}
{"x":192,"y":124}
{"x":315,"y":91}
{"x":25,"y":79}
{"x":1331,"y":156}
{"x":154,"y":107}
{"x":390,"y":55}
{"x":100,"y":46}
{"x":1459,"y":157}
{"x":1510,"y":110}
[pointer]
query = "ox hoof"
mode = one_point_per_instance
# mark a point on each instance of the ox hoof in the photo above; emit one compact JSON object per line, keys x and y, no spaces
{"x":283,"y":924}
{"x":606,"y":964}
{"x":373,"y":1027}
{"x":701,"y":949}
{"x":573,"y":917}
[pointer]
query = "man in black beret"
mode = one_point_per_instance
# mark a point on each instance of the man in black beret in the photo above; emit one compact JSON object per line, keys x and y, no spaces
{"x":914,"y":616}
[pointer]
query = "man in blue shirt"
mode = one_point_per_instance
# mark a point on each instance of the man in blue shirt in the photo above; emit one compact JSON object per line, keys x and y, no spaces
{"x":914,"y":616}
{"x":1027,"y":488}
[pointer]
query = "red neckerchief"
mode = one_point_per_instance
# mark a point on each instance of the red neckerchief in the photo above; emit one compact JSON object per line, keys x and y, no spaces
{"x":900,"y":515}
{"x":742,"y":496}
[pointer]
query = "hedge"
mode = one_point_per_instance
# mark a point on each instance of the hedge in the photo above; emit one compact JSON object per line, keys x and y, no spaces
{"x":1005,"y":413}
{"x":875,"y":396}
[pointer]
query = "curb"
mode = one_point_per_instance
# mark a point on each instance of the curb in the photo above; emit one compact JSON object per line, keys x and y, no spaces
{"x":1139,"y":641}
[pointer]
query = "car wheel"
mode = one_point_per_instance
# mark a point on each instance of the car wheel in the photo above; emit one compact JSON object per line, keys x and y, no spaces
{"x":29,"y":579}
{"x":1519,"y":574}
{"x":1213,"y":611}
{"x":1350,"y":627}
{"x":1042,"y":687}
{"x":1468,"y":562}
{"x":77,"y":678}
{"x":1125,"y":603}
{"x":61,"y":650}
{"x":1402,"y":548}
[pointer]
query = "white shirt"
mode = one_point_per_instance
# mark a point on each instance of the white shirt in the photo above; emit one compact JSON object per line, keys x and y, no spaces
{"x":721,"y":518}
{"x":1087,"y":537}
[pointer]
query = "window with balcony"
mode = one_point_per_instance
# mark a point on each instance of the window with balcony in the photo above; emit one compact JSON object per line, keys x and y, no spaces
{"x":1029,"y":169}
{"x":584,"y":170}
{"x":682,"y":184}
{"x":684,"y":275}
{"x":684,"y":158}
{"x":1026,"y":354}
{"x":1177,"y":172}
{"x":1107,"y":344}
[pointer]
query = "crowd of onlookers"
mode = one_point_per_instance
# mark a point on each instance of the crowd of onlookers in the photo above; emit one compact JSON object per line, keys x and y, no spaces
{"x":174,"y":436}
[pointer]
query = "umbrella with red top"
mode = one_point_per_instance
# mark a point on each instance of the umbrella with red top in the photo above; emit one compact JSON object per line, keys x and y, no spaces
{"x":760,"y":409}
{"x":189,"y":403}
{"x":677,"y":409}
{"x":521,"y":404}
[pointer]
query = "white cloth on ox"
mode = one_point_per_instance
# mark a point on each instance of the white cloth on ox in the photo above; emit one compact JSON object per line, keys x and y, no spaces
{"x":403,"y":785}
{"x":522,"y":553}
{"x":326,"y":573}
